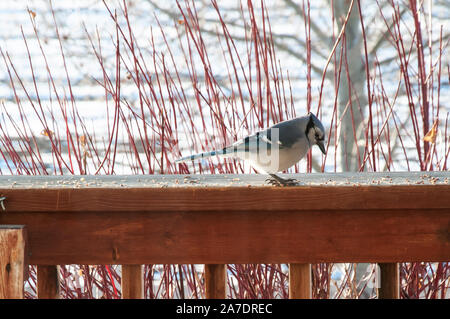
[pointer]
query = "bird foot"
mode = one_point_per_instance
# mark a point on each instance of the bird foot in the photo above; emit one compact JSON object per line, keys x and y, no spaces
{"x":275,"y":180}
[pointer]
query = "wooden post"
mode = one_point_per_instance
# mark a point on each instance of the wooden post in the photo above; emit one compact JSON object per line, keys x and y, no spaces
{"x":132,"y":282}
{"x":47,"y":282}
{"x":12,"y":261}
{"x":299,"y":281}
{"x":389,"y":281}
{"x":215,"y":281}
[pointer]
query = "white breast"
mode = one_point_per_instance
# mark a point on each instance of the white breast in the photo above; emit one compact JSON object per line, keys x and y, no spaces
{"x":277,"y":160}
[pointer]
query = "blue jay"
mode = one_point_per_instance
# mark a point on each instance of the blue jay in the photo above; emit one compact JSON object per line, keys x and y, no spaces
{"x":274,"y":149}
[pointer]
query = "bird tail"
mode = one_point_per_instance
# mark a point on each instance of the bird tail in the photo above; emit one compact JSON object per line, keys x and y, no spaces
{"x":184,"y":159}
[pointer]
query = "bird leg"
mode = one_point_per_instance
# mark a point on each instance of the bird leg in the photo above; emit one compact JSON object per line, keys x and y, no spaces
{"x":278,"y":181}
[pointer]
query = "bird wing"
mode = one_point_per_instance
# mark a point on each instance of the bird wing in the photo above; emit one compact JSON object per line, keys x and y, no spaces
{"x":252,"y":143}
{"x":289,"y":132}
{"x":282,"y":136}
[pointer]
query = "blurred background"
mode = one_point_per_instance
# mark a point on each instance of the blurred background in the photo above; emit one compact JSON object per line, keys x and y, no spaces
{"x":126,"y":87}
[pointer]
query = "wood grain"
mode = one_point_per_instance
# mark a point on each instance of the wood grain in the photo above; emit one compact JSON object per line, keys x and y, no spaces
{"x":185,"y":199}
{"x":235,"y":236}
{"x":12,"y":261}
{"x":177,"y":224}
{"x":389,"y":281}
{"x":300,"y":281}
{"x":215,"y":281}
{"x":47,"y":282}
{"x":132,"y":282}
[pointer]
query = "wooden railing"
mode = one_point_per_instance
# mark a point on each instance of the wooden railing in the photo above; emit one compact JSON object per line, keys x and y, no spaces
{"x":383,"y":218}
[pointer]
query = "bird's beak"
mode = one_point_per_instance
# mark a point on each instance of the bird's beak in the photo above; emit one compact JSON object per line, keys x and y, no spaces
{"x":322,"y":147}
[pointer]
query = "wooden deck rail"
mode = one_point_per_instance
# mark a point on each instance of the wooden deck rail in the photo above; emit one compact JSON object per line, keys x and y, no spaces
{"x":383,"y":218}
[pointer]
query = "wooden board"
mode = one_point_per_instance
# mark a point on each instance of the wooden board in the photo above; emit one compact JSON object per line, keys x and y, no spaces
{"x":137,"y":224}
{"x":12,"y":261}
{"x":236,"y":237}
{"x":227,"y":180}
{"x":47,"y":282}
{"x":215,"y":281}
{"x":132,"y":282}
{"x":300,"y":281}
{"x":389,"y":281}
{"x":307,"y":198}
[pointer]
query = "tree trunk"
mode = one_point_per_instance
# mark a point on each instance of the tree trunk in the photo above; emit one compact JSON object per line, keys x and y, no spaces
{"x":352,"y":97}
